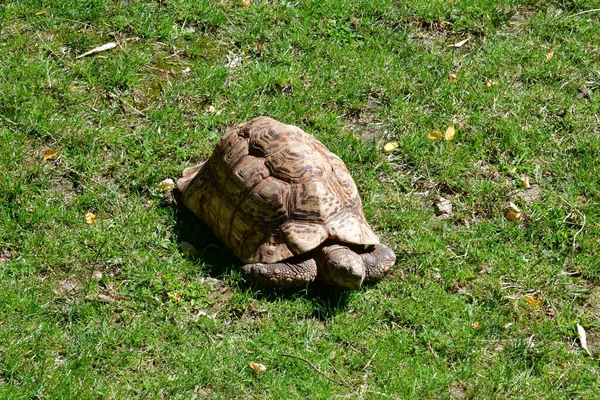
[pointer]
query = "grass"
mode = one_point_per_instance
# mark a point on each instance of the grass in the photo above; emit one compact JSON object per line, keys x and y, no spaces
{"x":116,"y":310}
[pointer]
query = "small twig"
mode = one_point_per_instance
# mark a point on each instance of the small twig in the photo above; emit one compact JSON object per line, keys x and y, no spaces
{"x":584,"y":12}
{"x":316,"y":369}
{"x":580,"y":230}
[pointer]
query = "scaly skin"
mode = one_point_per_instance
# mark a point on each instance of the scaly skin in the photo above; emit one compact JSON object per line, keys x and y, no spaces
{"x":281,"y":274}
{"x":378,"y":260}
{"x":334,"y":264}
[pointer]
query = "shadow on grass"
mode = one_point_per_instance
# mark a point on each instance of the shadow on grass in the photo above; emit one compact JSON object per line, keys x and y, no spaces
{"x":218,"y":262}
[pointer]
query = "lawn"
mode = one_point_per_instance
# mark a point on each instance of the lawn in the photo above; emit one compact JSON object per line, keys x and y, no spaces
{"x":100,"y":299}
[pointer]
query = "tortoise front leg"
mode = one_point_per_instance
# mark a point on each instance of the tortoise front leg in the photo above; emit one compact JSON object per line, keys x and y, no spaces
{"x":281,"y":274}
{"x":378,"y":260}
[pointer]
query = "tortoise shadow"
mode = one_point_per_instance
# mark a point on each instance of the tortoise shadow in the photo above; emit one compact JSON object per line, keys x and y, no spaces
{"x":216,"y":261}
{"x":212,"y":257}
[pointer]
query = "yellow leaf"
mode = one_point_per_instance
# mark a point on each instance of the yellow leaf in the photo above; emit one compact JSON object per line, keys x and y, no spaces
{"x":245,"y":3}
{"x":513,"y":212}
{"x":549,"y":54}
{"x":174,"y":296}
{"x":90,"y":218}
{"x":391,"y":146}
{"x":452,"y":77}
{"x":433,"y":135}
{"x":257,"y":367}
{"x":50,"y":154}
{"x":41,"y":12}
{"x":450,"y":132}
{"x":532,"y":300}
{"x":358,"y":138}
{"x":474,"y":325}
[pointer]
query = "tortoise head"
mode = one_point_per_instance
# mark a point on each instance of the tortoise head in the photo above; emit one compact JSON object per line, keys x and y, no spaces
{"x":340,"y":266}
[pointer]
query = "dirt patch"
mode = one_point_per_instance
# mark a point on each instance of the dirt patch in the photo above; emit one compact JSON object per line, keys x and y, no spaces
{"x":5,"y":255}
{"x":528,"y":196}
{"x":430,"y":32}
{"x":457,"y":391}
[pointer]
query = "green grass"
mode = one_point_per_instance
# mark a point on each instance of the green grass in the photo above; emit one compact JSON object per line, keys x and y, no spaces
{"x":92,"y":311}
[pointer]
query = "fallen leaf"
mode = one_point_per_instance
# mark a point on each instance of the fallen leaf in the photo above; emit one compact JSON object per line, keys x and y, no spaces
{"x":512,"y":215}
{"x":106,"y":298}
{"x":257,"y":367}
{"x":98,"y":49}
{"x":434,"y":135}
{"x":358,"y":138}
{"x":452,"y":77}
{"x":174,"y":296}
{"x":583,"y":339}
{"x":443,"y":206}
{"x":549,"y":54}
{"x":187,"y":249}
{"x":51,"y":154}
{"x":167,"y":185}
{"x":389,"y":147}
{"x":450,"y":132}
{"x":460,"y":44}
{"x":42,"y":12}
{"x":90,"y":218}
{"x":475,"y":325}
{"x":245,"y":3}
{"x":533,"y":301}
{"x":525,"y":181}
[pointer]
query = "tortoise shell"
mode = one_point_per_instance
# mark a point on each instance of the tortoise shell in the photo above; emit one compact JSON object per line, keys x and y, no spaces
{"x":270,"y":192}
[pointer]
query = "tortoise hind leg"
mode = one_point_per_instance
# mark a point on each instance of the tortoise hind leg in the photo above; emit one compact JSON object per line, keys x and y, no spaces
{"x":378,"y":260}
{"x":281,"y":274}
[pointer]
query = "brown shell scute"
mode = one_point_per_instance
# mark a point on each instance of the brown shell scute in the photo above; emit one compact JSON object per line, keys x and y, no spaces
{"x":270,"y":191}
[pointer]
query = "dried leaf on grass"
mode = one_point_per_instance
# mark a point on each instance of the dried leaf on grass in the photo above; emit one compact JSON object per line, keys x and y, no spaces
{"x":533,"y":301}
{"x":460,"y":44}
{"x":105,"y":298}
{"x":51,"y":154}
{"x":450,"y":132}
{"x":174,"y":296}
{"x":98,"y":49}
{"x":90,"y":218}
{"x":513,"y":213}
{"x":42,"y":12}
{"x":549,"y":54}
{"x":583,"y":339}
{"x":389,"y":147}
{"x":443,"y":206}
{"x":434,"y":135}
{"x":452,"y":77}
{"x":258,"y":368}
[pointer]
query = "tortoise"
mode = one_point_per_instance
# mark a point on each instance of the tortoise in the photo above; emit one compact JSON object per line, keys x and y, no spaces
{"x":286,"y":206}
